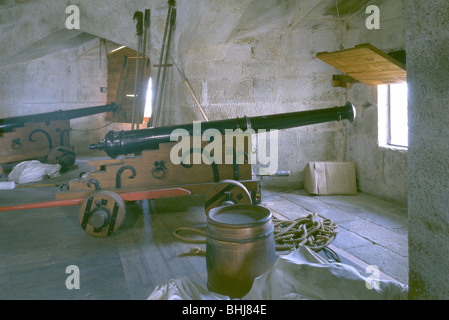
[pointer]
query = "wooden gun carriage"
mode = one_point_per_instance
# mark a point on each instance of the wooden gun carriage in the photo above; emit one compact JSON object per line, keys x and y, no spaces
{"x":142,"y":166}
{"x":42,"y":136}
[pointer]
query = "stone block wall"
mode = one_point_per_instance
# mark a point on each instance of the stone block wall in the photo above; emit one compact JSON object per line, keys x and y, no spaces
{"x":427,"y":39}
{"x":241,"y":58}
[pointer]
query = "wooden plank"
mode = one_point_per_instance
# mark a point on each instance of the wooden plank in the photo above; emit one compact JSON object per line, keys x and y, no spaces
{"x":40,"y":247}
{"x":363,"y":52}
{"x":366,"y":64}
{"x":139,"y":282}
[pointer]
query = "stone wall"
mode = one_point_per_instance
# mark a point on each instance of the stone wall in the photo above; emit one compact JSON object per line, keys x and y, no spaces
{"x":272,"y":68}
{"x":67,"y":79}
{"x":46,"y":67}
{"x":269,"y":68}
{"x":244,"y":57}
{"x":381,"y":170}
{"x":428,"y":76}
{"x":240,"y":58}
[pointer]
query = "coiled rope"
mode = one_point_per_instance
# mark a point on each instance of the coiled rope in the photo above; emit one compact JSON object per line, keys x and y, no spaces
{"x":306,"y":231}
{"x":193,"y":250}
{"x":288,"y":234}
{"x":189,"y":239}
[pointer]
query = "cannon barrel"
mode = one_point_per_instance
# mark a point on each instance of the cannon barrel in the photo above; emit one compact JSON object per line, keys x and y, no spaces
{"x":55,"y":115}
{"x":124,"y":142}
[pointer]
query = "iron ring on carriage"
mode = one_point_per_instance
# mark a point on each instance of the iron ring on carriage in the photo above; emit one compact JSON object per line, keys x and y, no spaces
{"x":159,"y":170}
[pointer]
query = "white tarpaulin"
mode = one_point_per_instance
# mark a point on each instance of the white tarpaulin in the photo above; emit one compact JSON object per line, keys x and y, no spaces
{"x":303,"y":274}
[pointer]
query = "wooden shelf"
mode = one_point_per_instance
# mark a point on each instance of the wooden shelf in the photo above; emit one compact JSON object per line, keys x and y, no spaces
{"x":366,"y":64}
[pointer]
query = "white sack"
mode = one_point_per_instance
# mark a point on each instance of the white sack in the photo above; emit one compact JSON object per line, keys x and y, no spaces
{"x":33,"y":170}
{"x":303,"y":274}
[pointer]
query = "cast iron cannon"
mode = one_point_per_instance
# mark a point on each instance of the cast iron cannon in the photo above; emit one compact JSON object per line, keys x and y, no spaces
{"x":152,"y":174}
{"x":13,"y":122}
{"x":124,"y":142}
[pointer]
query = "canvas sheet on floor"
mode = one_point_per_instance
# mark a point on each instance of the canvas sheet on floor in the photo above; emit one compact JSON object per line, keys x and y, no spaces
{"x":303,"y":274}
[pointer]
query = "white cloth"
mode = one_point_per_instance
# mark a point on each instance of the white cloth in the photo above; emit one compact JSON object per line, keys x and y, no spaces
{"x":303,"y":274}
{"x":33,"y":170}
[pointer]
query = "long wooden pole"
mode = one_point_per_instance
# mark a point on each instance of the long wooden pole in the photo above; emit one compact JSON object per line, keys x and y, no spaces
{"x":139,"y":16}
{"x":196,"y":100}
{"x":143,"y":89}
{"x":155,"y":84}
{"x":161,"y":89}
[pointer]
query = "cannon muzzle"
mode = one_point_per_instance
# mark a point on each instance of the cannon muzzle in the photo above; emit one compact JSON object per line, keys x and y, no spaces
{"x":124,"y":142}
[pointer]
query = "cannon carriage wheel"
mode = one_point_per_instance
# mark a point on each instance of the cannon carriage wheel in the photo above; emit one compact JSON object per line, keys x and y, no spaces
{"x":102,"y":213}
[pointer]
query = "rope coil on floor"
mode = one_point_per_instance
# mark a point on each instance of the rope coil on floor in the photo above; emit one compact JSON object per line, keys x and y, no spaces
{"x":188,"y":239}
{"x":193,"y":250}
{"x":306,"y":231}
{"x":288,"y":234}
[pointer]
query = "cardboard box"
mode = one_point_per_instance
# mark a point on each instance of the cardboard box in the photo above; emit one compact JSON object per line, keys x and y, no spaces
{"x":330,"y":178}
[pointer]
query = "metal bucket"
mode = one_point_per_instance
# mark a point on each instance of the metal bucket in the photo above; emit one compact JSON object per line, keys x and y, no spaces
{"x":239,"y":247}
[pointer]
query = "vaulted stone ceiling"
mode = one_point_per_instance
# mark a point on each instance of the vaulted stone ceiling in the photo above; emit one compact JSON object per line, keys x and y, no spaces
{"x":32,"y":29}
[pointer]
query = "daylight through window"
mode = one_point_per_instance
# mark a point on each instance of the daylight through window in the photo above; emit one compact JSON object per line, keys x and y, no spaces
{"x":398,"y":115}
{"x":393,"y":119}
{"x":148,"y":107}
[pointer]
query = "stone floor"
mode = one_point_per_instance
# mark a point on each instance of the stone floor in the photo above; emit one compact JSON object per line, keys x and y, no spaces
{"x":371,"y":231}
{"x":38,"y":245}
